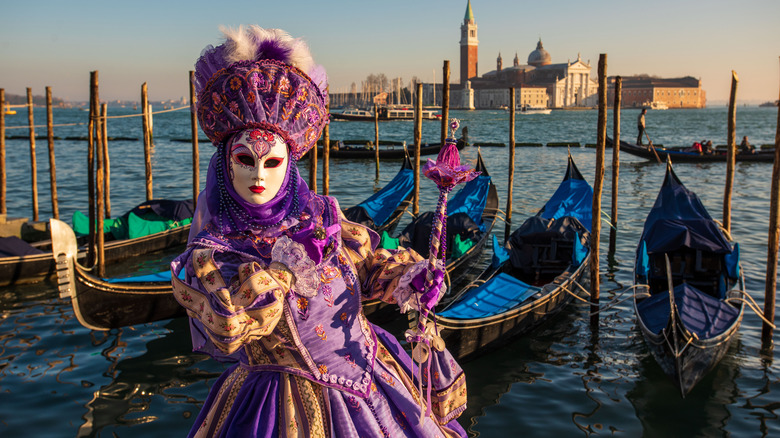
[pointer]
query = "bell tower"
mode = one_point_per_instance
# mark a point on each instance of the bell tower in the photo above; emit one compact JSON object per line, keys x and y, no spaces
{"x":468,"y":46}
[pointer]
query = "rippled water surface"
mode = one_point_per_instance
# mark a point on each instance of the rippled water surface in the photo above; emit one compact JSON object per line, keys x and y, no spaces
{"x":567,"y":378}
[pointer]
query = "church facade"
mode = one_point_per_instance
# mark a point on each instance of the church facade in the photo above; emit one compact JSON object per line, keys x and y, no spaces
{"x":538,"y":83}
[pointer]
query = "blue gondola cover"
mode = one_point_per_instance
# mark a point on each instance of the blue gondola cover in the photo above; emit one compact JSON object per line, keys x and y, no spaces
{"x":497,"y":295}
{"x":701,"y":314}
{"x":471,"y":199}
{"x":381,"y":205}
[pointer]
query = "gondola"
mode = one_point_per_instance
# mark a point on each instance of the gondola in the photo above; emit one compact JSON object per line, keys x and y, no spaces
{"x":103,"y":304}
{"x":33,"y":263}
{"x":531,"y":278}
{"x":472,"y":213}
{"x":682,"y":155}
{"x":353,"y":152}
{"x":688,"y":295}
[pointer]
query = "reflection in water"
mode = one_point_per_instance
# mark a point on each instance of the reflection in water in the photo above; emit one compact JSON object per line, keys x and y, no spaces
{"x":159,"y":374}
{"x":661,"y":409}
{"x":494,"y":378}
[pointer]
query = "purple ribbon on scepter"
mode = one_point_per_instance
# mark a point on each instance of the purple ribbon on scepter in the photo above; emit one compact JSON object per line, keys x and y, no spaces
{"x":447,"y":172}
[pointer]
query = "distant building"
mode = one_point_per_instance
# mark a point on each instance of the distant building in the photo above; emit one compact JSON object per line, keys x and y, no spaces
{"x":537,"y":83}
{"x":646,"y":91}
{"x":469,"y":67}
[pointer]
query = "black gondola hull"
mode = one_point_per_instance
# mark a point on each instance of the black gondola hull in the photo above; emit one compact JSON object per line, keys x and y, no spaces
{"x":679,"y":156}
{"x":683,"y":357}
{"x":467,"y":338}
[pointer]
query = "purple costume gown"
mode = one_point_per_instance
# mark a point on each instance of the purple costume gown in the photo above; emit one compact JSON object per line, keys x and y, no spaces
{"x":308,"y":362}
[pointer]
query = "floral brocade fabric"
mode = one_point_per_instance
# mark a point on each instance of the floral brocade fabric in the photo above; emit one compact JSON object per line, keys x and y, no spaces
{"x":308,"y":363}
{"x":263,"y":94}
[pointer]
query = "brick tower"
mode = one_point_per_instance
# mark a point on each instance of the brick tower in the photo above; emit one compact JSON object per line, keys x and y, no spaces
{"x":468,"y":46}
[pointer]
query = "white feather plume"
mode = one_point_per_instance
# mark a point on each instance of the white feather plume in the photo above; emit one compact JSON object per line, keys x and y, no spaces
{"x":242,"y":45}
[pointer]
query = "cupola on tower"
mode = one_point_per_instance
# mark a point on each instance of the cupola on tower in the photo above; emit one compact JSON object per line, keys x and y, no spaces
{"x":468,"y":46}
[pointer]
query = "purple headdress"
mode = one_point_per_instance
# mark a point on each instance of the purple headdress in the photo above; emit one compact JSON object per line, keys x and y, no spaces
{"x":259,"y":78}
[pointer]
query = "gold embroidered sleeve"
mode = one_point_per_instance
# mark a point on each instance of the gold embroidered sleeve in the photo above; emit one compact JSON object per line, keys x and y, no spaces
{"x":378,"y":269}
{"x":235,"y":314}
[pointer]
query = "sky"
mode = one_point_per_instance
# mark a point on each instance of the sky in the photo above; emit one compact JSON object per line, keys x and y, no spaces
{"x":57,"y":43}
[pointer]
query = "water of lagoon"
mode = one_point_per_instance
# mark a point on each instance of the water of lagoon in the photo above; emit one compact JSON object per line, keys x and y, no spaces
{"x":567,"y":378}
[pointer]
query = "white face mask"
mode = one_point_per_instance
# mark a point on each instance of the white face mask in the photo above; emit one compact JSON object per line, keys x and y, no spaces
{"x":258,"y":164}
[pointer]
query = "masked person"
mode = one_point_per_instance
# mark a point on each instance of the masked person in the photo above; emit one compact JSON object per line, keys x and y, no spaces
{"x":274,"y":275}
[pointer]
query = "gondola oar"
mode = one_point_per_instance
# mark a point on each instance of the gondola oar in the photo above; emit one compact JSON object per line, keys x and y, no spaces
{"x":652,"y":148}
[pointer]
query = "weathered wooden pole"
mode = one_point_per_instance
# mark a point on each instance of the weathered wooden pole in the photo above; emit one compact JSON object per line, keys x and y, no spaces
{"x":313,"y":158}
{"x":731,"y":155}
{"x":55,"y":212}
{"x":445,"y":101}
{"x":417,"y":143}
{"x":33,"y":163}
{"x":770,"y":291}
{"x":147,"y":141}
{"x":595,"y":233}
{"x":615,"y":162}
{"x":94,"y":100}
{"x":376,"y":140}
{"x":326,"y":155}
{"x":99,"y":193}
{"x":150,"y":122}
{"x":508,"y":228}
{"x":106,"y":160}
{"x":3,"y":209}
{"x":194,"y":133}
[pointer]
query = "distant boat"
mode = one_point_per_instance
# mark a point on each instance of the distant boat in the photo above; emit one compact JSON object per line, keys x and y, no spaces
{"x":654,"y":105}
{"x":528,"y":109}
{"x":391,"y":112}
{"x":684,"y":155}
{"x":9,"y":111}
{"x":770,"y":104}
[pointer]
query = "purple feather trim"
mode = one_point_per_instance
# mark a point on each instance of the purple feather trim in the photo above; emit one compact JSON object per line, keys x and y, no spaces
{"x":271,"y":49}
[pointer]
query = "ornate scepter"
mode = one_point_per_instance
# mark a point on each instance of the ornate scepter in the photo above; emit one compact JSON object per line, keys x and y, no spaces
{"x":447,"y":172}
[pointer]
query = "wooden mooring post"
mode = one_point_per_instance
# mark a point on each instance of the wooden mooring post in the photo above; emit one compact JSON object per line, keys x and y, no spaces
{"x":55,"y":211}
{"x":508,"y":228}
{"x":731,"y":155}
{"x":417,"y":143}
{"x":376,"y":140}
{"x":445,"y":101}
{"x":326,"y":155}
{"x":3,"y":209}
{"x":100,"y":192}
{"x":615,"y":162}
{"x":94,"y":100}
{"x":33,"y":163}
{"x":770,"y":291}
{"x":147,"y":140}
{"x":313,"y":159}
{"x":106,"y":160}
{"x":598,"y":184}
{"x":194,"y":133}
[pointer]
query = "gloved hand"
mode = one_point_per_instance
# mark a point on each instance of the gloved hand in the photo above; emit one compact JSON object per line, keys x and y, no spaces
{"x":429,"y":298}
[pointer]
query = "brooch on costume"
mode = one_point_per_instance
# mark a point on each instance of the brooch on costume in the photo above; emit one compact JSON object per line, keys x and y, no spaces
{"x":294,"y":256}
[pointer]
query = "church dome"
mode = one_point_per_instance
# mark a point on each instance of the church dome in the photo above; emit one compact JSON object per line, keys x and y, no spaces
{"x":539,"y":56}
